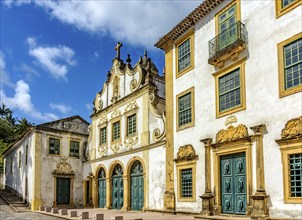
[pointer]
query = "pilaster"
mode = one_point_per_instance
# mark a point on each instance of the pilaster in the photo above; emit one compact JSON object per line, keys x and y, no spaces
{"x":259,"y":199}
{"x":207,"y":197}
{"x":126,"y":193}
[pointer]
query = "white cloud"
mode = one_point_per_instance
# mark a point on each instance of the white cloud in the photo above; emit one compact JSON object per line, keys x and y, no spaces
{"x":22,"y":101}
{"x":56,"y":60}
{"x":4,"y":77}
{"x":135,"y":22}
{"x":60,"y":107}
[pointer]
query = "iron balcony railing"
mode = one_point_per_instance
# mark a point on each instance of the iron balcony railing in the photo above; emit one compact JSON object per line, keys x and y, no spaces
{"x":234,"y":36}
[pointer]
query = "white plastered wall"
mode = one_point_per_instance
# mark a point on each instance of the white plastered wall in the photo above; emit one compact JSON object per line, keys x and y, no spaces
{"x":263,"y":105}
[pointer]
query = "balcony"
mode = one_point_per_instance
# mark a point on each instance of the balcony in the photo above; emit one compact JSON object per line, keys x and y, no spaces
{"x":227,"y":44}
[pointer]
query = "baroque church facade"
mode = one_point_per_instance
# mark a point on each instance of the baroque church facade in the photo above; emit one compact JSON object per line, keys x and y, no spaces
{"x":126,"y":147}
{"x":233,"y":85}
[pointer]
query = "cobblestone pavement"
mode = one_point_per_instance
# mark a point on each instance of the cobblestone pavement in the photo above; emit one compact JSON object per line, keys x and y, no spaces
{"x":7,"y":213}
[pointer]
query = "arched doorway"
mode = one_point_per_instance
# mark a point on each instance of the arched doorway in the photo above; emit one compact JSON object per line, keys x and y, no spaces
{"x":117,"y":187}
{"x":136,"y":186}
{"x":102,"y":188}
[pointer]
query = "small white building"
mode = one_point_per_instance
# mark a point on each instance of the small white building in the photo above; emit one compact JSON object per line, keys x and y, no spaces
{"x":44,"y":167}
{"x":126,"y":165}
{"x":233,"y":103}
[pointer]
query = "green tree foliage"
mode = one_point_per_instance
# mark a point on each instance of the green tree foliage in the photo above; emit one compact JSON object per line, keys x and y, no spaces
{"x":11,"y":129}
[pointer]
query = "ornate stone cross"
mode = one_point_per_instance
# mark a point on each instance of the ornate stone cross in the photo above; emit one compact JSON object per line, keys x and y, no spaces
{"x":118,"y":50}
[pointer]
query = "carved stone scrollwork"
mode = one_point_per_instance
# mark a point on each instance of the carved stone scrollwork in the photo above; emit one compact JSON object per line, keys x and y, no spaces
{"x":103,"y":120}
{"x":103,"y":150}
{"x":130,"y":142}
{"x":98,"y":103}
{"x":157,"y":135}
{"x":63,"y":168}
{"x":154,"y":99}
{"x":292,"y":129}
{"x":116,"y":147}
{"x":232,"y":133}
{"x":116,"y":113}
{"x":132,"y":105}
{"x":186,"y":152}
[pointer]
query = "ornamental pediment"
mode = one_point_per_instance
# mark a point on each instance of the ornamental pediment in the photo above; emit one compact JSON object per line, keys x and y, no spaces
{"x":232,"y":133}
{"x":186,"y":152}
{"x":63,"y":168}
{"x":292,"y":129}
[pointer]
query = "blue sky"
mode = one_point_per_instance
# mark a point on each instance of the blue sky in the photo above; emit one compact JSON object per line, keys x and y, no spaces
{"x":54,"y":55}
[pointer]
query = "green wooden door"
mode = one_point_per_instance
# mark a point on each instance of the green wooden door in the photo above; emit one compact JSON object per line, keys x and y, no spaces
{"x":117,"y":188}
{"x":102,"y":188}
{"x":233,"y":183}
{"x":137,"y":186}
{"x":63,"y":191}
{"x":227,"y":28}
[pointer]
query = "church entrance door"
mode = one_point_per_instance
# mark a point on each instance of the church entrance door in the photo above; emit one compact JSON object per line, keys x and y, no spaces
{"x":117,"y":187}
{"x":63,"y":191}
{"x":137,"y":186}
{"x":233,"y":183}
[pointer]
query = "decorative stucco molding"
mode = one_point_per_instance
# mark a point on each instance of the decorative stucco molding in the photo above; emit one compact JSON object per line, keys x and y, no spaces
{"x":292,"y":129}
{"x":116,"y":113}
{"x":157,"y":135}
{"x":116,"y":147}
{"x":130,"y":142}
{"x":63,"y":168}
{"x":131,"y":106}
{"x":186,"y":152}
{"x":103,"y":150}
{"x":103,"y":120}
{"x":232,"y":133}
{"x":98,"y":103}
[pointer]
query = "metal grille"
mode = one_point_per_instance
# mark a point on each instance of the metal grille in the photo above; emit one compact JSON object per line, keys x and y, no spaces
{"x":54,"y":146}
{"x":184,"y":55}
{"x":287,"y":2}
{"x":186,"y":183}
{"x":74,"y":148}
{"x":184,"y":109}
{"x":229,"y":90}
{"x":295,"y":170}
{"x":131,"y":124}
{"x":103,"y":135}
{"x":293,"y":64}
{"x":116,"y":131}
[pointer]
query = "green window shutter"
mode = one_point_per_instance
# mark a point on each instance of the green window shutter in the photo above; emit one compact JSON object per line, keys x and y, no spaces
{"x":184,"y":55}
{"x":54,"y":146}
{"x":227,"y":28}
{"x":19,"y":164}
{"x":292,"y":53}
{"x":74,"y":148}
{"x":26,"y":154}
{"x":186,"y":183}
{"x":103,"y":135}
{"x":131,"y":124}
{"x":295,"y":172}
{"x":116,"y":131}
{"x":229,"y":90}
{"x":184,"y":109}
